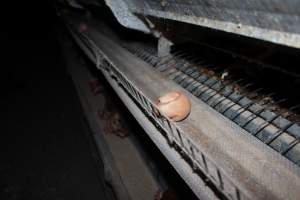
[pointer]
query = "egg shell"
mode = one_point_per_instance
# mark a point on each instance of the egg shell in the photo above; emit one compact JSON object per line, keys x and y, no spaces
{"x":174,"y":105}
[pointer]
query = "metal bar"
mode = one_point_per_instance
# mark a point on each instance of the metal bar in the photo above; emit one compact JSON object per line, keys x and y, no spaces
{"x":215,"y":158}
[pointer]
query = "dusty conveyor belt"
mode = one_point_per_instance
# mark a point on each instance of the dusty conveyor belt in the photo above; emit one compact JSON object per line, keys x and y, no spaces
{"x":258,"y":119}
{"x":232,"y":163}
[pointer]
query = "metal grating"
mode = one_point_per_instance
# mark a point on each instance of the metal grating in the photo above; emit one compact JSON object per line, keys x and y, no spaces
{"x":214,"y":177}
{"x":175,"y":136}
{"x":274,"y":129}
{"x":237,"y":177}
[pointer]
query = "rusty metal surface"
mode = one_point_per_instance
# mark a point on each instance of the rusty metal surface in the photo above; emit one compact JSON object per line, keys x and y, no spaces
{"x":238,"y":165}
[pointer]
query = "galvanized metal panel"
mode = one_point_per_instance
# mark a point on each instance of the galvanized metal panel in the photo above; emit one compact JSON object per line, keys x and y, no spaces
{"x":275,"y":21}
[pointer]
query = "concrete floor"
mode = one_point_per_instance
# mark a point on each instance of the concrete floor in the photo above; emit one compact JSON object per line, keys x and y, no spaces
{"x":44,"y":149}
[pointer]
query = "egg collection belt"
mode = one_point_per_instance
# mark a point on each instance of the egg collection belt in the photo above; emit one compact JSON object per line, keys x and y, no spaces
{"x":172,"y":133}
{"x":273,"y":129}
{"x":224,"y":160}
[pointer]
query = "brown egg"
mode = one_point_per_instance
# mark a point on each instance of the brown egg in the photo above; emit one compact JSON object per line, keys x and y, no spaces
{"x":174,"y":105}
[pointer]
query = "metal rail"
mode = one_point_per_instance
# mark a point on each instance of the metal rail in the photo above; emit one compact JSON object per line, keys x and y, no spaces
{"x":234,"y":164}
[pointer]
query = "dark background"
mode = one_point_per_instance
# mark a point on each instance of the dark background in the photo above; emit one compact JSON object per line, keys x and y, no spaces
{"x":45,"y":148}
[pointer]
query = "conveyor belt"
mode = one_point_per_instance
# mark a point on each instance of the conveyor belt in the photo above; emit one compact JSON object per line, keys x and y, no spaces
{"x":232,"y":163}
{"x":273,"y":129}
